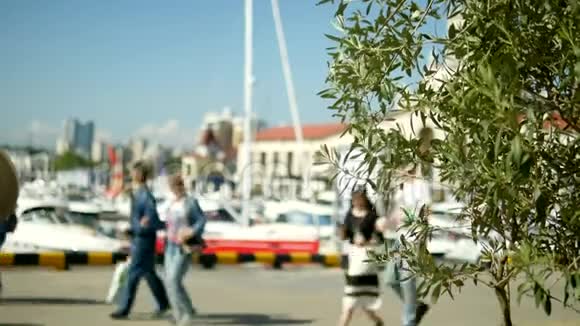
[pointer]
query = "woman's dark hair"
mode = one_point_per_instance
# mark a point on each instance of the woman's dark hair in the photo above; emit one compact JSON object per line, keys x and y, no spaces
{"x":362,"y":194}
{"x":367,"y":225}
{"x":143,"y":169}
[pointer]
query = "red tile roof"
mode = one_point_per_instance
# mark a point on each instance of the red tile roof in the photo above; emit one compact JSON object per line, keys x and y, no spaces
{"x":309,"y":132}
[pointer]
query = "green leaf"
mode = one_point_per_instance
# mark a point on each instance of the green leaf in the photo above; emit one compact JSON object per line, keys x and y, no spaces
{"x":516,"y":150}
{"x":538,"y":294}
{"x":497,"y":144}
{"x":323,"y":2}
{"x":452,"y":31}
{"x":369,"y":8}
{"x":436,"y":293}
{"x":548,"y":306}
{"x":327,"y":93}
{"x":338,"y":24}
{"x":542,"y":205}
{"x":341,"y":8}
{"x":334,"y":38}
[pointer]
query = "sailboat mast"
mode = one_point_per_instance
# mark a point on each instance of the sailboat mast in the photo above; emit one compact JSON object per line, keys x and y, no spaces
{"x":292,"y":103}
{"x":248,"y":80}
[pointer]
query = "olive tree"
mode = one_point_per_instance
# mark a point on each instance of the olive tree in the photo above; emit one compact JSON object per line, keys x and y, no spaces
{"x":501,"y":86}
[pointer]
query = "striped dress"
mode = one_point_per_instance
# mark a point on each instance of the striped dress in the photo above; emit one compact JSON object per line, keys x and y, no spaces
{"x":362,"y":289}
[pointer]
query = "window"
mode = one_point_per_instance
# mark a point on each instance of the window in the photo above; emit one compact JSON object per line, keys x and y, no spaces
{"x":220,"y":215}
{"x":45,"y":215}
{"x":263,"y":158}
{"x":297,"y":218}
{"x":302,"y":218}
{"x":86,"y":219}
{"x":27,"y":216}
{"x":290,"y":163}
{"x":324,"y":219}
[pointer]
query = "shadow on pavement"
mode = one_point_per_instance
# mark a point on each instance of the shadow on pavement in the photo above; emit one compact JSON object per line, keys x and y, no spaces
{"x":49,"y":301}
{"x":232,"y":319}
{"x":19,"y":324}
{"x":250,"y":319}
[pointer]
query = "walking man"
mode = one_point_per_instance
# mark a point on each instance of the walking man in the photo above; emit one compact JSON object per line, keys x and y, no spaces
{"x":144,"y":226}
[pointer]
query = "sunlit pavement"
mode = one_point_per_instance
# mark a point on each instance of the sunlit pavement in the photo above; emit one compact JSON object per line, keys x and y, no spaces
{"x":237,"y":295}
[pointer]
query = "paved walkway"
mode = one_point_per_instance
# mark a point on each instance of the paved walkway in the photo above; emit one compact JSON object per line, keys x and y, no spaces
{"x":235,"y":296}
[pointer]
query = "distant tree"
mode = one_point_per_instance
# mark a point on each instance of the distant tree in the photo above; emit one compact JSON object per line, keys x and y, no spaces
{"x":70,"y":161}
{"x":504,"y":89}
{"x":29,"y":149}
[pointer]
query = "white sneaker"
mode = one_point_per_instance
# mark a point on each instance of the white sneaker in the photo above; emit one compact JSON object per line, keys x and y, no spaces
{"x":185,"y":322}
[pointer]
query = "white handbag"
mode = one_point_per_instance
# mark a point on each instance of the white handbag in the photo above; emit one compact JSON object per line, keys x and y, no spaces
{"x":117,"y":283}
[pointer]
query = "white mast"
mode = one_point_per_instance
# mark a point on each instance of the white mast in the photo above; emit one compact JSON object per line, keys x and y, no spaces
{"x":290,"y":88}
{"x":248,"y":80}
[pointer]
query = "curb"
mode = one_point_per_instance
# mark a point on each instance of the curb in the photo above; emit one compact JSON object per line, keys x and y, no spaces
{"x":63,"y":260}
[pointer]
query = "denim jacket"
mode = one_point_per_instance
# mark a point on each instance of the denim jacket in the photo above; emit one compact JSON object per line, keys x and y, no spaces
{"x":144,"y":205}
{"x":192,"y":216}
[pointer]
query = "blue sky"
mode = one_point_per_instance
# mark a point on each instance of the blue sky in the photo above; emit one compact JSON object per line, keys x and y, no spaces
{"x":150,"y":67}
{"x":137,"y":64}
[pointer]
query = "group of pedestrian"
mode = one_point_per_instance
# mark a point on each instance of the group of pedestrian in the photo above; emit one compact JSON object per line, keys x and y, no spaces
{"x":184,"y":224}
{"x":363,"y":230}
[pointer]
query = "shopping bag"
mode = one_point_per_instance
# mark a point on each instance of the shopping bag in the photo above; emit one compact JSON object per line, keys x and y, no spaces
{"x":118,"y":282}
{"x":391,"y":274}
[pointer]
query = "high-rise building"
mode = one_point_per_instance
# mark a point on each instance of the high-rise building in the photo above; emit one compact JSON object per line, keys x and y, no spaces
{"x":84,"y":137}
{"x":99,"y":151}
{"x":138,"y":147}
{"x":77,"y":137}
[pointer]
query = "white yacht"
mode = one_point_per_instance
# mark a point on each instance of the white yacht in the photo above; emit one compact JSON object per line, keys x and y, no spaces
{"x":43,"y":226}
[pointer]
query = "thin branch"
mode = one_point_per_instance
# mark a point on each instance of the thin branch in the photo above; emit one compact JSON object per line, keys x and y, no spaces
{"x":572,"y":264}
{"x":401,"y":3}
{"x":473,"y":277}
{"x":506,"y":279}
{"x":396,"y":174}
{"x":427,"y":9}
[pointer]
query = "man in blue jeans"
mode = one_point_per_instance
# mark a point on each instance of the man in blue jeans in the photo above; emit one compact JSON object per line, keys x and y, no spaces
{"x":144,"y":226}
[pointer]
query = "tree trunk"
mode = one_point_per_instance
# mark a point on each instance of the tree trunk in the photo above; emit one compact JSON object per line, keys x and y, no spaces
{"x":505,"y":305}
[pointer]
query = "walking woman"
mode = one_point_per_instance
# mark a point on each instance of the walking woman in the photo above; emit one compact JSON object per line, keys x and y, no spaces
{"x":414,"y":192}
{"x":362,"y":281}
{"x":185,"y":224}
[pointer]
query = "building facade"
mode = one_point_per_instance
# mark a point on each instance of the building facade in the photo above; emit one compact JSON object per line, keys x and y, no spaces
{"x":30,"y":166}
{"x":77,"y":137}
{"x":282,"y":167}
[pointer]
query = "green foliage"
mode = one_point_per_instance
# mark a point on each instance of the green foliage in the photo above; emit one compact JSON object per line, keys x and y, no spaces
{"x":493,"y":83}
{"x":70,"y":161}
